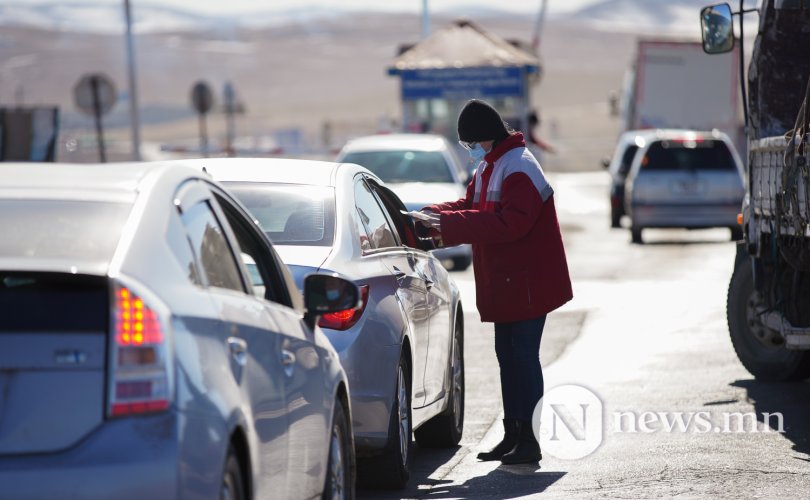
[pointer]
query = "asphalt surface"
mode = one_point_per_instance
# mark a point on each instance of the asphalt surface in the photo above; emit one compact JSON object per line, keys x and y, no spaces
{"x":646,"y":334}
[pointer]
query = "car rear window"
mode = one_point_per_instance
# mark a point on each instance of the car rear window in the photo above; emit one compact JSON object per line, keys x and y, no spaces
{"x":290,"y":214}
{"x":688,"y":155}
{"x":61,"y":229}
{"x":403,"y":166}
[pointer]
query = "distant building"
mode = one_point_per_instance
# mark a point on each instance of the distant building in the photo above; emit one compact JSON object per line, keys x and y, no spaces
{"x":459,"y":62}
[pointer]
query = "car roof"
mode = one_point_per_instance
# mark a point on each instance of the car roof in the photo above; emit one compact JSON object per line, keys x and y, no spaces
{"x":275,"y":170}
{"x":74,"y":181}
{"x":395,"y":142}
{"x":670,"y":134}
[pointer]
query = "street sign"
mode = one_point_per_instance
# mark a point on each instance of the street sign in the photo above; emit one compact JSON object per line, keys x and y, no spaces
{"x":95,"y":96}
{"x":202,"y":99}
{"x":83,"y":94}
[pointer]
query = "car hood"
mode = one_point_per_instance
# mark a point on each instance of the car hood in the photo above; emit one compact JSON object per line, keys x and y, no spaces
{"x":416,"y":195}
{"x":300,"y":255}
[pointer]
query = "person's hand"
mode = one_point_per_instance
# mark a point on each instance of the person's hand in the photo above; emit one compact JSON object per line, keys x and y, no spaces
{"x":434,"y":221}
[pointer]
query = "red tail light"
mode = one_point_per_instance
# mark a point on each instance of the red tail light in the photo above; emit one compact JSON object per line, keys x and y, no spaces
{"x":343,"y":320}
{"x":140,"y":377}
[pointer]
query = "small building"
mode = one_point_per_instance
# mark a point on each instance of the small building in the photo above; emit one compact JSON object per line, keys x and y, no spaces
{"x":459,"y":62}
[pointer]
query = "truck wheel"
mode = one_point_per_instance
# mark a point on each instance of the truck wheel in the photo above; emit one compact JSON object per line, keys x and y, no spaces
{"x":760,"y":352}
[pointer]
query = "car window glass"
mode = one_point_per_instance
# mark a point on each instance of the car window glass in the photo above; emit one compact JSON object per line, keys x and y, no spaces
{"x":254,"y":254}
{"x":404,"y":166}
{"x":627,"y":159}
{"x":211,"y":248}
{"x":290,"y":214}
{"x":374,"y":222}
{"x":688,"y":155}
{"x":61,"y":229}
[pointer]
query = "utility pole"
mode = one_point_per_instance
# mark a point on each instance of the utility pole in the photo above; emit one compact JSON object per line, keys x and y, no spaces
{"x":135,"y":124}
{"x":538,"y":26}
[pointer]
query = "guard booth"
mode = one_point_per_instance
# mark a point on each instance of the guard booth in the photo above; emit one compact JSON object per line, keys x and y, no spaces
{"x":459,"y":62}
{"x":28,"y":134}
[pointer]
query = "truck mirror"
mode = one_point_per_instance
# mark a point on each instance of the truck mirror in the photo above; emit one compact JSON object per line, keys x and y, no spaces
{"x":717,"y":29}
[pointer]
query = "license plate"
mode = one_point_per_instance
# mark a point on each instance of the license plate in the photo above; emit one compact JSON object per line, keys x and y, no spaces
{"x":685,"y":187}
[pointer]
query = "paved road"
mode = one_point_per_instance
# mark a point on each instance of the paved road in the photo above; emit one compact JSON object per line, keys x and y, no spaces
{"x":645,"y":332}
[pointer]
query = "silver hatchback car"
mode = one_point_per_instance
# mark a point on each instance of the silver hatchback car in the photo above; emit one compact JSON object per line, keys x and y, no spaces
{"x":153,"y":345}
{"x":685,"y":179}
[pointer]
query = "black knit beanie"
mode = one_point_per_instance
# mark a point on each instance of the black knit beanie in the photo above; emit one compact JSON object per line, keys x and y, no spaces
{"x":479,"y":121}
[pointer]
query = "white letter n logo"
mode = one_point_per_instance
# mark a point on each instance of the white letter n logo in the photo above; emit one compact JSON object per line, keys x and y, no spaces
{"x":576,"y":429}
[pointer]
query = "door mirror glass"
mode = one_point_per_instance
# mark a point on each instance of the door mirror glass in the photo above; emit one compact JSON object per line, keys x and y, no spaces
{"x":326,"y":293}
{"x":717,"y":29}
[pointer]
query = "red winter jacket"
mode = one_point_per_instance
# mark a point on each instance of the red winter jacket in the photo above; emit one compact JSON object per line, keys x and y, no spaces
{"x":509,"y":217}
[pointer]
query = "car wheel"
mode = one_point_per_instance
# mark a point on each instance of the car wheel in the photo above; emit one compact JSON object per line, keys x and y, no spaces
{"x":393,"y":468}
{"x":635,"y":233}
{"x":736,"y":233}
{"x":461,"y":263}
{"x":233,"y":487}
{"x":445,"y":430}
{"x":615,"y":218}
{"x":761,"y":352}
{"x":340,"y":471}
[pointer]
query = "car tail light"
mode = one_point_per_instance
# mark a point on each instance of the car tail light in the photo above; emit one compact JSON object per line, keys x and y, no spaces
{"x":343,"y":320}
{"x":139,"y":381}
{"x":614,"y":201}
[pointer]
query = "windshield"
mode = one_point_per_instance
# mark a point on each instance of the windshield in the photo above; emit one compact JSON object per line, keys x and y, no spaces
{"x":61,"y":229}
{"x":688,"y":155}
{"x":404,"y":166}
{"x":290,"y":214}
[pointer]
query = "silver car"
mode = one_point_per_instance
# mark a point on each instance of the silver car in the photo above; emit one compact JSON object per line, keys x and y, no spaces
{"x":685,"y":179}
{"x":403,"y":348}
{"x":422,"y":169}
{"x":153,"y":345}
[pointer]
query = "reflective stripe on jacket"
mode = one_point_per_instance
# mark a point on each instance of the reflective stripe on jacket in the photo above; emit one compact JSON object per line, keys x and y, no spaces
{"x":508,"y":216}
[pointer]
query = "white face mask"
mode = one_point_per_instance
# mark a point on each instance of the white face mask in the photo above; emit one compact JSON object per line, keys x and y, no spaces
{"x":477,"y":153}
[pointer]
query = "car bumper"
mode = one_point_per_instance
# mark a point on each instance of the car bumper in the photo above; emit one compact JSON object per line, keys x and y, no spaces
{"x":124,"y":458}
{"x":688,"y":216}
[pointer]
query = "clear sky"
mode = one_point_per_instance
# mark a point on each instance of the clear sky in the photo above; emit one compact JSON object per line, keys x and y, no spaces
{"x":235,"y":6}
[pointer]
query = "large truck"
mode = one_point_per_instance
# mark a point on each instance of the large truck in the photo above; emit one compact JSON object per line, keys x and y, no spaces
{"x":674,"y":84}
{"x":768,"y":302}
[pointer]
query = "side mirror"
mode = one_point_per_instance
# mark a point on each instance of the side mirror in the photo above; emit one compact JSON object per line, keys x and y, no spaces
{"x":717,"y":29}
{"x":605,"y":162}
{"x":327,"y":293}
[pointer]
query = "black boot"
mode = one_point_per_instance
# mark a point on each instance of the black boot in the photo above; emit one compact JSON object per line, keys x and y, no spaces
{"x":527,"y":450}
{"x":507,"y":443}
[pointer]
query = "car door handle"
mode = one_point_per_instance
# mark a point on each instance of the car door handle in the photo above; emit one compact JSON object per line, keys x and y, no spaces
{"x":288,"y":362}
{"x":238,"y":348}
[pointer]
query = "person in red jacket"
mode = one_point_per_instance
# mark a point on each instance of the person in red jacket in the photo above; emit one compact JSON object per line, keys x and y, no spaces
{"x":521,"y":273}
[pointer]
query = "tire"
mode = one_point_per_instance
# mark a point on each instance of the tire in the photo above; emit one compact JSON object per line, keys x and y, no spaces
{"x":736,"y":233}
{"x":233,"y":485}
{"x":764,"y":359}
{"x":445,"y":430}
{"x":341,"y":467}
{"x":392,"y":469}
{"x":461,"y":263}
{"x":615,"y":218}
{"x":635,"y":235}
